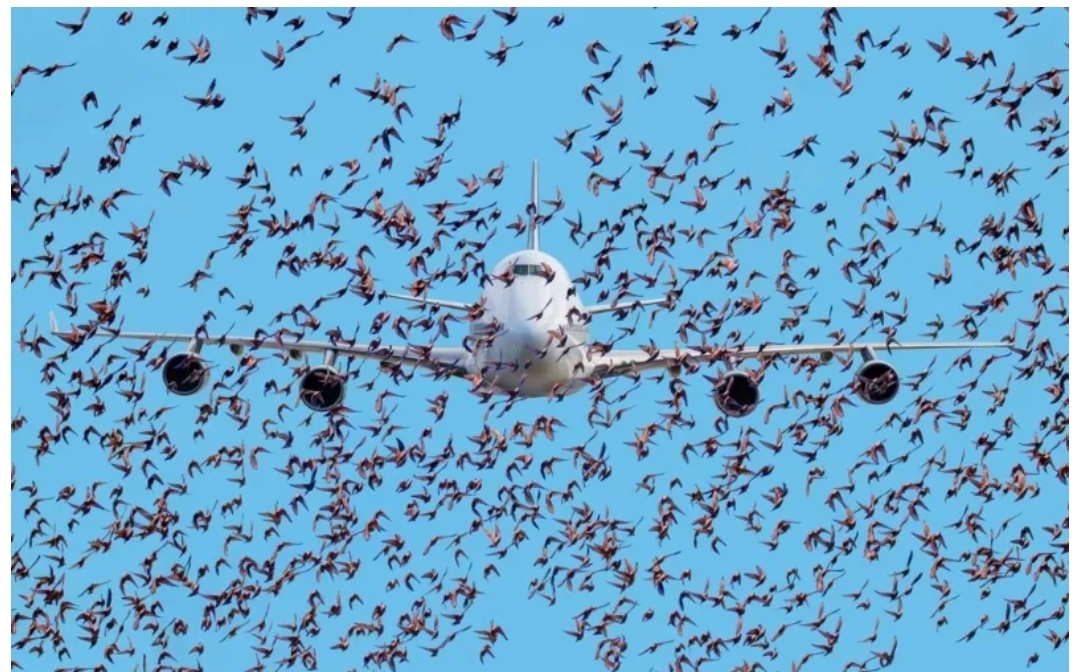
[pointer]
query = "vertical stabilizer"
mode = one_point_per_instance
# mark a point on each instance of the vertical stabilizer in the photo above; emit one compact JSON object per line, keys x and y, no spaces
{"x":534,"y":227}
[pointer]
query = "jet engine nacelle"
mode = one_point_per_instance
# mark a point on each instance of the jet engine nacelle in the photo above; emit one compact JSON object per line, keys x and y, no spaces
{"x":877,"y":382}
{"x":736,"y":394}
{"x":185,"y":373}
{"x":323,"y":388}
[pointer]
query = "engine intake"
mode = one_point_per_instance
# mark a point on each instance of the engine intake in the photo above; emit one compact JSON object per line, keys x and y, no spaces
{"x":736,"y":394}
{"x":323,"y":388}
{"x":185,"y":373}
{"x":877,"y":382}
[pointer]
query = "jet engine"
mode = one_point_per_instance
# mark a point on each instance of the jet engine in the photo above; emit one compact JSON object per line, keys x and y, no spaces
{"x":323,"y":387}
{"x":876,"y":382}
{"x":736,"y":394}
{"x":185,"y":373}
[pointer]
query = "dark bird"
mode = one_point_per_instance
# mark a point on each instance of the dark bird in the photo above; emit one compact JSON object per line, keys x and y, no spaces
{"x":499,"y":55}
{"x":942,"y":50}
{"x":296,"y":45}
{"x":74,"y":28}
{"x":508,"y":16}
{"x":278,"y":58}
{"x":780,"y":53}
{"x":342,"y":19}
{"x":400,"y":38}
{"x":711,"y":102}
{"x":89,"y":99}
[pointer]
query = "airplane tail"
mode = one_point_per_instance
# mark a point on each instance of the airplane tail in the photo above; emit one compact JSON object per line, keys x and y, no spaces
{"x":534,"y":224}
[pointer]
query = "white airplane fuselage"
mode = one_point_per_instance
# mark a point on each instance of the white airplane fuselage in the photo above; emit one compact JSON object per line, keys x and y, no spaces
{"x":536,"y":345}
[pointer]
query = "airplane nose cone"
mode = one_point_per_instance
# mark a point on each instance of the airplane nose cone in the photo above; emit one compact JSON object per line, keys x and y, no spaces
{"x":530,"y":333}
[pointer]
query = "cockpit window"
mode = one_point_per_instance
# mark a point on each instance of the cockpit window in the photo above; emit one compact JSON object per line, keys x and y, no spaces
{"x":528,"y":269}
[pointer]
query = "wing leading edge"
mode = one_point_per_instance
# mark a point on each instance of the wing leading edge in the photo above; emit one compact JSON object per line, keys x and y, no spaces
{"x":450,"y":361}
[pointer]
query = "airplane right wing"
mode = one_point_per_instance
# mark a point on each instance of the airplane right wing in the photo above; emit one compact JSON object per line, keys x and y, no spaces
{"x":619,"y":362}
{"x":735,"y":392}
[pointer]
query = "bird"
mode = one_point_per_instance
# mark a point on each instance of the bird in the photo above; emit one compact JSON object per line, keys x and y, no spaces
{"x":75,"y":28}
{"x":780,"y":53}
{"x":499,"y":55}
{"x":944,"y":49}
{"x":400,"y":38}
{"x":342,"y":19}
{"x":296,"y":45}
{"x":278,"y":58}
{"x":845,"y":86}
{"x":508,"y":16}
{"x":710,"y":102}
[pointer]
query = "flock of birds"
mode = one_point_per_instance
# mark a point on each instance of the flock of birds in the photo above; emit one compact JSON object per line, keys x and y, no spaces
{"x":511,"y":494}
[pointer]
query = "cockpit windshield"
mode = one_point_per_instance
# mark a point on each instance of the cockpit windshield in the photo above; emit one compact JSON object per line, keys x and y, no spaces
{"x":528,"y":269}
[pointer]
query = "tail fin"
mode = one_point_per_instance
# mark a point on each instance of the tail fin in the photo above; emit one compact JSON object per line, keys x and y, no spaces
{"x":54,"y":326}
{"x":534,"y":226}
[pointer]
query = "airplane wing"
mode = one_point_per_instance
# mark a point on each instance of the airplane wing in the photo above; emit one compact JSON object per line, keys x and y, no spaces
{"x":620,"y":362}
{"x":451,"y":361}
{"x":450,"y":305}
{"x":614,"y":307}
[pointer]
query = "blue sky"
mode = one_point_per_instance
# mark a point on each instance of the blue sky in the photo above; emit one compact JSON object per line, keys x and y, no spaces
{"x":511,"y":114}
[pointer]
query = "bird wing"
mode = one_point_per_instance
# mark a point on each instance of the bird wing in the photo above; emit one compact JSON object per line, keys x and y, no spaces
{"x":455,"y":361}
{"x":620,"y":362}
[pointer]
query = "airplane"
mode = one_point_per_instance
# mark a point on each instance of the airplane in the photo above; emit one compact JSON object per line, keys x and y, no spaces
{"x":531,"y":340}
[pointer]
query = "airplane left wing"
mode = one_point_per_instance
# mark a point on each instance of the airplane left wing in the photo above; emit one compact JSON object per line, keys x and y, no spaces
{"x":185,"y":377}
{"x":456,"y":359}
{"x":613,"y":307}
{"x":449,"y":305}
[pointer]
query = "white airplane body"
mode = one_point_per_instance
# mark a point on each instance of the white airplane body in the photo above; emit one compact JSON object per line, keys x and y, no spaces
{"x":532,"y":340}
{"x":537,"y":334}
